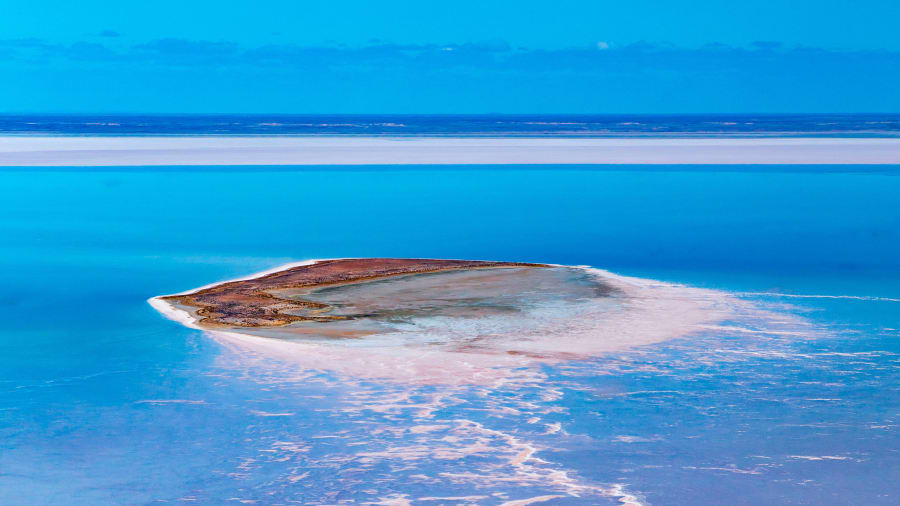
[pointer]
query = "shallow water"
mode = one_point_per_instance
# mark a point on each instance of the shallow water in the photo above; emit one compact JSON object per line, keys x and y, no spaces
{"x":102,"y":400}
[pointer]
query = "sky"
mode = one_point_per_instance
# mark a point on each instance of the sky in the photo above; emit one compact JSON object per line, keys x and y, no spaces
{"x":343,"y":56}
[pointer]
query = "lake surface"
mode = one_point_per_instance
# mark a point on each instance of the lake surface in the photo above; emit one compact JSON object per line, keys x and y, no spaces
{"x":102,"y":400}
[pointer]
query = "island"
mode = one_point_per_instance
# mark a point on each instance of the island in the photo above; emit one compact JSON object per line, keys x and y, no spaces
{"x":414,"y":319}
{"x":275,"y":299}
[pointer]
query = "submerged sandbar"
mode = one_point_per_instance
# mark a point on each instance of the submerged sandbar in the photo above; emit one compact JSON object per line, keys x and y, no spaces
{"x":266,"y":301}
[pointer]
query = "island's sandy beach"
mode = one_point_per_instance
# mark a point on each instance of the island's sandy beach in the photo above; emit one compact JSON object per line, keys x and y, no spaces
{"x":297,"y":150}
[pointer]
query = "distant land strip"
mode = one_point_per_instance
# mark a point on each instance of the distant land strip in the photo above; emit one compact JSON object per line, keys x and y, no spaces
{"x":16,"y":151}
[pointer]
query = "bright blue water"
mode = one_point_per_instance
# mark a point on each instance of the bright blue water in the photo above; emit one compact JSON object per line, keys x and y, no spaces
{"x":88,"y":371}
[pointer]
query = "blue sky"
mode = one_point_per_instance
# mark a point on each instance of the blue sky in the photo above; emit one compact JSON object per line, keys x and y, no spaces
{"x":338,"y":56}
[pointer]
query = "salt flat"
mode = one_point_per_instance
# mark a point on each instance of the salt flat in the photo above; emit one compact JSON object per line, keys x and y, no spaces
{"x":313,"y":150}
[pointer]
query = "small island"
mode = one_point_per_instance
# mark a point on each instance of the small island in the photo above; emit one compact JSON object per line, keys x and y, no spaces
{"x":440,"y":319}
{"x":275,"y":299}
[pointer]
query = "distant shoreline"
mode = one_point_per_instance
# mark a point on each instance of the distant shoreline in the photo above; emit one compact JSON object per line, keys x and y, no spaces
{"x":45,"y":150}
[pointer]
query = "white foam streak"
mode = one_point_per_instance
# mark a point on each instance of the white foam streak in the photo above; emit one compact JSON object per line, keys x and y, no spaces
{"x":817,"y":296}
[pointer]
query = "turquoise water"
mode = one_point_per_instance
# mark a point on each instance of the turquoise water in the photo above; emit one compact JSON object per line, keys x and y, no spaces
{"x":104,"y":401}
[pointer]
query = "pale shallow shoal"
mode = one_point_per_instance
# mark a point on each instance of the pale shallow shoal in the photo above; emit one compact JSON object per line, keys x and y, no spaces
{"x":210,"y":150}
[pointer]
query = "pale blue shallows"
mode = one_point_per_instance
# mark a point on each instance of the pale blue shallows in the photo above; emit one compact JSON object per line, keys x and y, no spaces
{"x":802,"y":419}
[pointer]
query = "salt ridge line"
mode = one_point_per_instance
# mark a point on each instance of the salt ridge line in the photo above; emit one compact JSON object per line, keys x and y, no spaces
{"x":817,"y":296}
